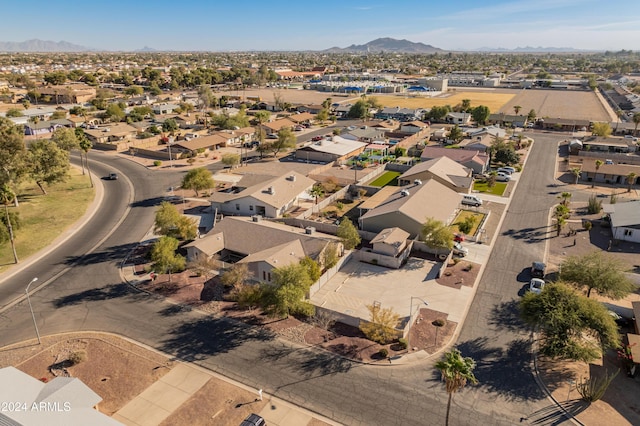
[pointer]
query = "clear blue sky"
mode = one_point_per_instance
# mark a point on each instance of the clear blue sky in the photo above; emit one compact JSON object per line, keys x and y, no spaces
{"x":219,"y":25}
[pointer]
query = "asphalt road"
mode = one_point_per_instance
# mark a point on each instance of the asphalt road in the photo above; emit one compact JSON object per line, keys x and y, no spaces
{"x":89,"y":295}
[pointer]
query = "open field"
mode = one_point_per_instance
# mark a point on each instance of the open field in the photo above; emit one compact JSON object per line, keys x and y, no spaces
{"x":45,"y":217}
{"x":569,"y":104}
{"x":293,"y":96}
{"x":491,"y":98}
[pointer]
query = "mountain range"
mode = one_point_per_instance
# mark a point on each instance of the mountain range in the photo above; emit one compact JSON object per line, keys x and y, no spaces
{"x":386,"y":44}
{"x":36,"y":45}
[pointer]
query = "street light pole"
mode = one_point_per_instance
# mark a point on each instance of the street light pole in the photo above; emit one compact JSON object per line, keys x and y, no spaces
{"x":411,"y":320}
{"x":31,"y":308}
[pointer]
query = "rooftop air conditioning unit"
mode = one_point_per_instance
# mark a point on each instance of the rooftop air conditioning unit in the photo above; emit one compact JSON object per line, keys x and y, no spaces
{"x":417,"y":182}
{"x":292,"y":178}
{"x":271,"y":190}
{"x":404,"y":193}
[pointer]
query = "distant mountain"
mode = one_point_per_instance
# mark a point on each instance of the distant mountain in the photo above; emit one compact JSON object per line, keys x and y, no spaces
{"x":36,"y":45}
{"x":146,"y":49}
{"x":528,"y":49}
{"x":386,"y":45}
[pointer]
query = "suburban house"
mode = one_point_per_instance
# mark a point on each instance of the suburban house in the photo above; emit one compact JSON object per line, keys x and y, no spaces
{"x":413,"y":126}
{"x":342,"y":110}
{"x":312,"y":109}
{"x":200,"y":144}
{"x":451,"y":174}
{"x":400,"y":114}
{"x":409,"y":207}
{"x":609,"y":145}
{"x":385,"y":125}
{"x":113,"y":132}
{"x":69,"y":93}
{"x":264,"y":196}
{"x":161,"y":109}
{"x":66,"y":400}
{"x":45,"y":127}
{"x":186,"y":121}
{"x":325,"y":151}
{"x":608,"y":173}
{"x":460,"y":118}
{"x":625,"y":220}
{"x":478,"y":143}
{"x":365,"y":134}
{"x":273,"y":127}
{"x":261,"y":244}
{"x":507,"y":120}
{"x":303,"y":117}
{"x":564,"y":124}
{"x":391,"y":248}
{"x":495,"y":131}
{"x":472,"y":159}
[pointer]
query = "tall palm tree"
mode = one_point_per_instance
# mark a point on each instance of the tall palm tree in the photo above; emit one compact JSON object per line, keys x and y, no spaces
{"x":456,"y":371}
{"x":619,"y":113}
{"x":630,"y":178}
{"x":576,"y":172}
{"x":85,"y":146}
{"x":598,"y":164}
{"x":35,"y":120}
{"x":636,"y":121}
{"x":316,"y":192}
{"x":566,"y":196}
{"x":517,"y":108}
{"x":6,"y":197}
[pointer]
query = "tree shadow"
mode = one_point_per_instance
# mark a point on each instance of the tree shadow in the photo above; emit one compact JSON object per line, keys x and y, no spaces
{"x":506,"y":316}
{"x":111,"y":254}
{"x":174,"y":310}
{"x":506,"y":372}
{"x":96,"y":294}
{"x":531,"y":235}
{"x":149,"y":202}
{"x":556,"y":414}
{"x":200,"y":339}
{"x":307,"y":362}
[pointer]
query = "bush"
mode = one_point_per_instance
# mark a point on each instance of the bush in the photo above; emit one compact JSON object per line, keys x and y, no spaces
{"x":403,"y":343}
{"x":383,"y":353}
{"x":587,"y":225}
{"x":438,"y":322}
{"x":157,"y":163}
{"x":593,"y":389}
{"x":594,"y":205}
{"x":77,"y":357}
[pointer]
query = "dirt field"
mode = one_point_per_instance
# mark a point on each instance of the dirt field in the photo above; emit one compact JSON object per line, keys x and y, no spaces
{"x":567,"y":104}
{"x":491,"y":98}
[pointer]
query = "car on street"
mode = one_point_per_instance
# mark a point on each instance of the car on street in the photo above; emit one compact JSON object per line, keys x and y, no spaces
{"x":538,"y":269}
{"x":253,"y":420}
{"x":113,"y":176}
{"x":536,"y":285}
{"x":317,"y":138}
{"x":459,"y":249}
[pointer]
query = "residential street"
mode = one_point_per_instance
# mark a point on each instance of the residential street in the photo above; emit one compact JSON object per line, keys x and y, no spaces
{"x":91,"y":296}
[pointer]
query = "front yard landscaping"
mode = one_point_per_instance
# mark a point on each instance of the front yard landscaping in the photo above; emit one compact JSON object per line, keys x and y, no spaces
{"x":497,"y":189}
{"x":387,"y":178}
{"x":462,"y":216}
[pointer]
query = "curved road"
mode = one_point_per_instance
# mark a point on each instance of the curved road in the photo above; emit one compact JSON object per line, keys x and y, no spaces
{"x":90,"y":296}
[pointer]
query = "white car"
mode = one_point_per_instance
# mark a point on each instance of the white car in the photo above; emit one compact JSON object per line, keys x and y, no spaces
{"x":460,"y":250}
{"x":536,"y":285}
{"x":503,"y":177}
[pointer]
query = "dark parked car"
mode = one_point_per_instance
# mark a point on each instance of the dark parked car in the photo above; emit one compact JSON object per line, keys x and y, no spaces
{"x":538,"y":269}
{"x":113,"y":176}
{"x":253,"y":420}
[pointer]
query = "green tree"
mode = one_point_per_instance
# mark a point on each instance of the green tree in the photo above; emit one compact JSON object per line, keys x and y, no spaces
{"x":58,"y":115}
{"x":636,"y":121}
{"x":382,"y":324}
{"x":576,"y":172}
{"x":438,"y":113}
{"x":48,"y":163}
{"x":436,"y":234}
{"x":312,"y":267}
{"x":601,"y":129}
{"x":13,"y":112}
{"x":359,"y":110}
{"x":235,"y":276}
{"x":480,"y":114}
{"x":10,"y":221}
{"x":290,"y":284}
{"x":171,"y":223}
{"x":164,"y":256}
{"x":532,"y":115}
{"x":631,"y":177}
{"x":329,"y":256}
{"x":169,"y":125}
{"x":55,"y":78}
{"x":198,"y":180}
{"x":466,"y":105}
{"x":114,"y":113}
{"x":286,"y":140}
{"x":13,"y":155}
{"x":85,"y":146}
{"x":597,"y":271}
{"x":456,"y":133}
{"x":566,"y":197}
{"x":322,"y":115}
{"x":133,"y":91}
{"x":456,"y":372}
{"x":598,"y":164}
{"x":230,"y":160}
{"x":65,"y":138}
{"x":567,"y":321}
{"x":316,"y":191}
{"x":348,"y":234}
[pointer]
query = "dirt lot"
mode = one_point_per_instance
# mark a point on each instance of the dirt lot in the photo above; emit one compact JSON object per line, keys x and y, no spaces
{"x":579,"y":105}
{"x":490,"y":97}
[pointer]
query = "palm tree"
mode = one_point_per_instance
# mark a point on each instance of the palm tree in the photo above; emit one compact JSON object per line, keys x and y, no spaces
{"x":598,"y":164}
{"x":576,"y":172}
{"x":630,"y":178}
{"x":619,"y":113}
{"x":35,"y":120}
{"x":636,"y":121}
{"x":85,"y":146}
{"x":6,"y":197}
{"x":517,"y":108}
{"x":316,"y":192}
{"x":456,"y":371}
{"x":566,"y":196}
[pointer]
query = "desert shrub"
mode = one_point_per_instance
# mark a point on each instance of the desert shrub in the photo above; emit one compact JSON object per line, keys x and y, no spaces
{"x":157,"y":163}
{"x":439,"y":322}
{"x":594,"y":205}
{"x":383,"y":353}
{"x":587,"y":225}
{"x":593,"y":389}
{"x":403,"y":343}
{"x":77,"y":357}
{"x":467,"y":225}
{"x":469,"y":267}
